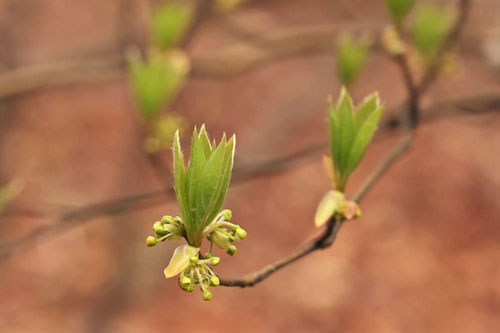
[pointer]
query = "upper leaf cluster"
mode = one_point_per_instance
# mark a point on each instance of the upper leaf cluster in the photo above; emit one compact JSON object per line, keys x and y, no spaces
{"x":351,"y":132}
{"x":201,"y":186}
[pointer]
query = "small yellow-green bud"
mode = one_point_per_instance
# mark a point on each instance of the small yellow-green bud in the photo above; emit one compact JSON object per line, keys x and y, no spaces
{"x":157,"y":224}
{"x":231,"y":250}
{"x":214,"y":281}
{"x":189,"y":288}
{"x":207,"y":296}
{"x":358,"y":213}
{"x":242,"y":234}
{"x":185,"y":282}
{"x":159,"y":230}
{"x":166,"y":219}
{"x":194,"y":260}
{"x":214,"y":261}
{"x":227,"y":214}
{"x":208,"y":255}
{"x":151,"y":241}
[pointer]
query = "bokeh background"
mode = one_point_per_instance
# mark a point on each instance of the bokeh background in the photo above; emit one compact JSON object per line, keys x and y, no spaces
{"x":425,"y":257}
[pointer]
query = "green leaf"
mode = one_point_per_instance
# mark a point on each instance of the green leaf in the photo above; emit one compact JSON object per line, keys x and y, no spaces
{"x":351,"y":57}
{"x":362,"y":140}
{"x":345,"y":121}
{"x":430,"y":26}
{"x":334,"y":134}
{"x":369,"y":105}
{"x":350,"y":133}
{"x":399,"y":9}
{"x":180,"y":179}
{"x":223,"y":184}
{"x":169,"y":24}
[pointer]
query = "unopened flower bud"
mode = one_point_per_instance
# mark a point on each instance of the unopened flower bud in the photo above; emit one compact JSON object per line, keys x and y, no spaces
{"x":214,"y":261}
{"x":166,"y":219}
{"x":194,"y":260}
{"x":226,"y":214}
{"x":349,"y":209}
{"x":190,"y":288}
{"x":242,"y":234}
{"x":214,"y":281}
{"x":208,"y":255}
{"x":185,"y":282}
{"x":151,"y":241}
{"x":231,"y":250}
{"x":207,"y":296}
{"x":159,"y":230}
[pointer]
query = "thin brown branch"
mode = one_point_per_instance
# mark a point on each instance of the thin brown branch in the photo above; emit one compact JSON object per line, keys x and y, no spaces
{"x":412,"y":89}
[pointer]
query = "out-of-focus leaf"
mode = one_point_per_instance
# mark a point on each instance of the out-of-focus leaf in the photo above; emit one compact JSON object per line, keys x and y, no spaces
{"x":180,"y":260}
{"x":398,"y":9}
{"x":430,"y":26}
{"x":170,"y":22}
{"x":157,"y":80}
{"x":351,"y":57}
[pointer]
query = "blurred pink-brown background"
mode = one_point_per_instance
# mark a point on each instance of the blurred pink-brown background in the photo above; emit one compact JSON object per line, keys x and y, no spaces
{"x":425,"y":257}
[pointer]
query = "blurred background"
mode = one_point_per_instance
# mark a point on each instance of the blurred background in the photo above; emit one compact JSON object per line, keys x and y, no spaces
{"x":85,"y":168}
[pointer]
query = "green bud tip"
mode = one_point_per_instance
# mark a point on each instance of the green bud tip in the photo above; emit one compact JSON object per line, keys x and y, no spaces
{"x":194,"y":260}
{"x":160,"y":231}
{"x":231,"y":250}
{"x":166,"y":219}
{"x":185,"y":282}
{"x":208,"y":255}
{"x":151,"y":241}
{"x":189,"y":288}
{"x":207,"y":296}
{"x":214,"y":261}
{"x":157,"y":224}
{"x":242,"y":234}
{"x":214,"y":281}
{"x":227,"y":214}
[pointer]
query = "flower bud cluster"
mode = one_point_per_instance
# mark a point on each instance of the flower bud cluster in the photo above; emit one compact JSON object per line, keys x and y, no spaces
{"x":168,"y":228}
{"x":223,"y":233}
{"x":199,"y":272}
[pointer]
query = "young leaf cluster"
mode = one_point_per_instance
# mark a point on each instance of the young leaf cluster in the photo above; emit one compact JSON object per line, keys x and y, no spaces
{"x":351,"y":57}
{"x":156,"y":80}
{"x":430,"y":27}
{"x":201,"y":186}
{"x":351,"y":130}
{"x":169,"y":24}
